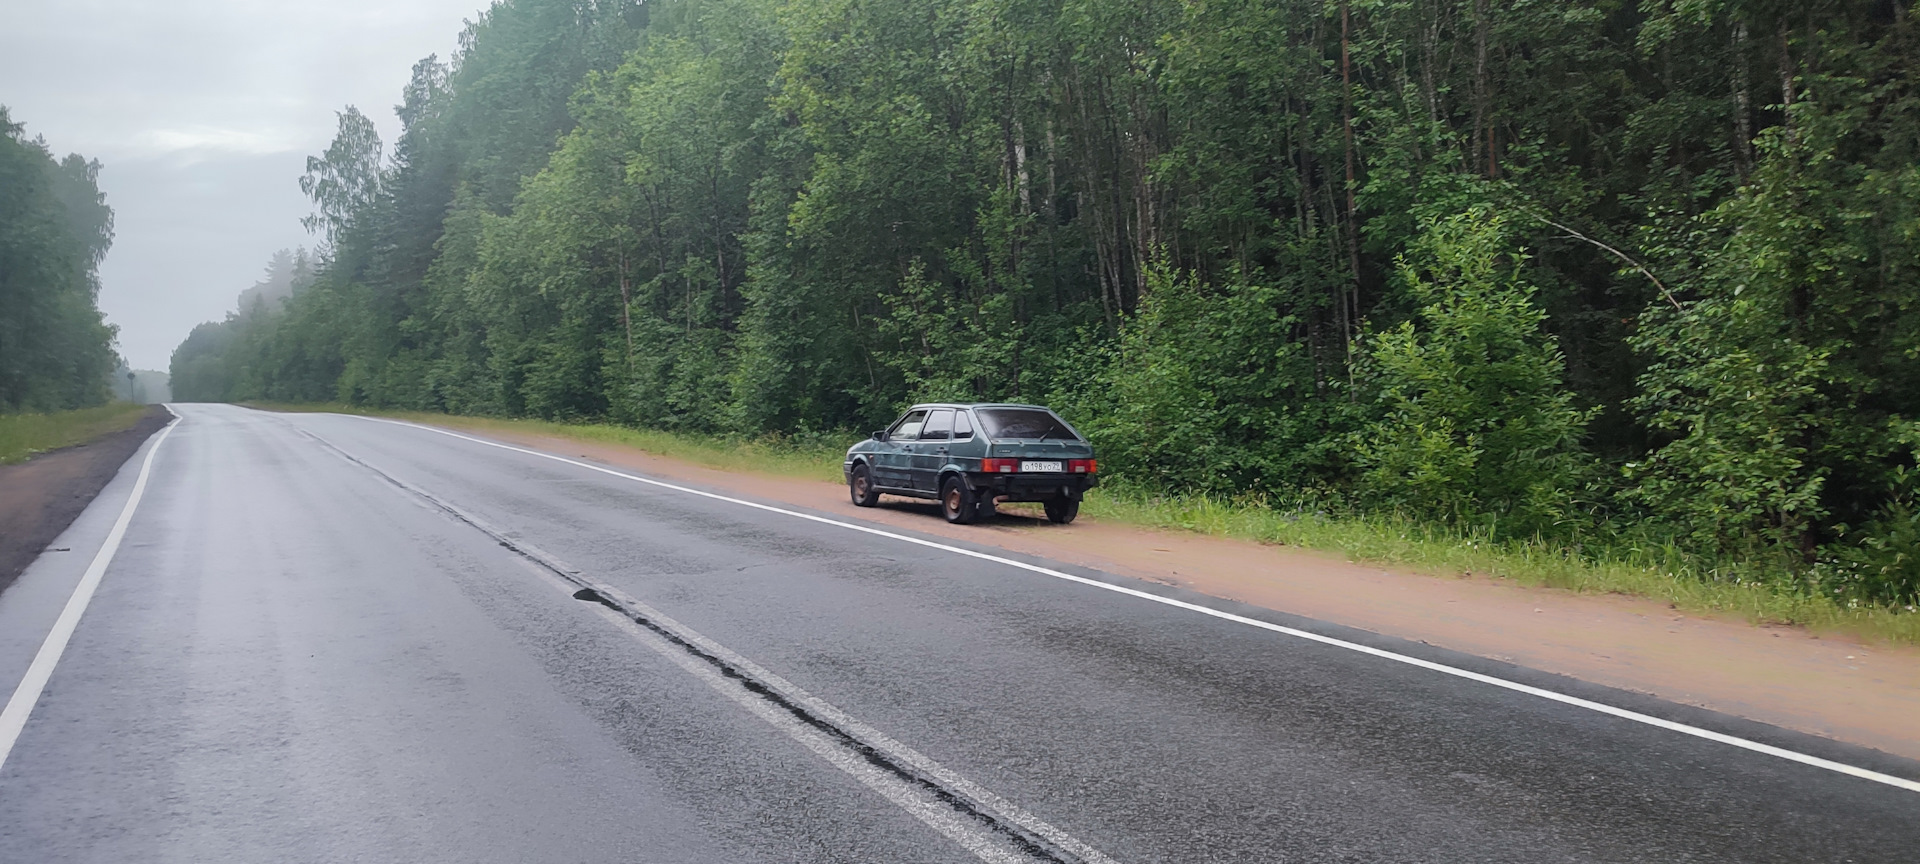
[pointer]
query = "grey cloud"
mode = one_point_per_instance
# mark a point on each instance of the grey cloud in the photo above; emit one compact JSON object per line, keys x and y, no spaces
{"x":202,"y":113}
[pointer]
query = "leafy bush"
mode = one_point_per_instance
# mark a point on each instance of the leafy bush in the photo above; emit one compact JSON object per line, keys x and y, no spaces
{"x":1880,"y":562}
{"x":1205,"y":392}
{"x":1476,"y":417}
{"x":1764,"y":387}
{"x":1735,"y":475}
{"x":1882,"y":565}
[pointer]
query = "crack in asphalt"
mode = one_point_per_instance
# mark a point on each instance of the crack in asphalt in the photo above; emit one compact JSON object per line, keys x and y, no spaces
{"x":1035,"y":839}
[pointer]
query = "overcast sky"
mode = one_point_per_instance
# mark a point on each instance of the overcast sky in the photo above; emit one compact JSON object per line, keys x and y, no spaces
{"x":203,"y":113}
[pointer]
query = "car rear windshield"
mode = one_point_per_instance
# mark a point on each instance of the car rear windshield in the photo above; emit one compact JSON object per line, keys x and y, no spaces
{"x":1024,"y":423}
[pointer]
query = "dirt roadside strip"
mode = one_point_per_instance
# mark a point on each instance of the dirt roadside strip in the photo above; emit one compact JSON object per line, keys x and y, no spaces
{"x":1830,"y":686}
{"x":40,"y":497}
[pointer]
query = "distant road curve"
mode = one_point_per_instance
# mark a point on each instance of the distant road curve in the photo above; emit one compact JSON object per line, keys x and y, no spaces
{"x":325,"y":638}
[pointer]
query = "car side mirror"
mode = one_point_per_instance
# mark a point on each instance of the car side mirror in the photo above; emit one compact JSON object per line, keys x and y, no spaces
{"x":880,"y":435}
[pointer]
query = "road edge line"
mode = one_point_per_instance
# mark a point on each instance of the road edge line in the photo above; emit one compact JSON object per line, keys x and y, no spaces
{"x":1515,"y":686}
{"x":26,"y":695}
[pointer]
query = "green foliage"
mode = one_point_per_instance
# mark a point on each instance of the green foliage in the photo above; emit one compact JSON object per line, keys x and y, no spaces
{"x":1880,"y":561}
{"x":1206,"y":392}
{"x":1178,"y":222}
{"x":345,"y":181}
{"x":1742,"y":408}
{"x":1476,"y":418}
{"x":55,"y":227}
{"x":205,"y":366}
{"x":964,"y":350}
{"x":1775,"y":386}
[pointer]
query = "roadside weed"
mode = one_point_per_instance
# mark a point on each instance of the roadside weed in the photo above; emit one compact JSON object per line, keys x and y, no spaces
{"x":23,"y":435}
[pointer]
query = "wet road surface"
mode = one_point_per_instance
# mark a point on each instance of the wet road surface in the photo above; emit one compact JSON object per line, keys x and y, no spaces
{"x":329,"y":638}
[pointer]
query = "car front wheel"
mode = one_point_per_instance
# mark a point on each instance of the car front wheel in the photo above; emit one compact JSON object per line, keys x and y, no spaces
{"x":860,"y":486}
{"x":1062,"y":510}
{"x":958,"y":503}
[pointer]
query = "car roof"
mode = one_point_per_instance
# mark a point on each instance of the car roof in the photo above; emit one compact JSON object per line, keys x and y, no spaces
{"x":978,"y":405}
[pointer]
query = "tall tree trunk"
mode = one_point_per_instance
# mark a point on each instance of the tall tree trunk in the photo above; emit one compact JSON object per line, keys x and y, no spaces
{"x":1742,"y":104}
{"x":1483,"y":135}
{"x":720,"y":248}
{"x":626,"y":311}
{"x":1053,"y":189}
{"x":1352,"y":303}
{"x":1429,"y":55}
{"x":1786,"y":85}
{"x":1024,"y":182}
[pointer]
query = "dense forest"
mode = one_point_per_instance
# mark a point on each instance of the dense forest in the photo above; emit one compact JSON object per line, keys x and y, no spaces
{"x":56,"y":352}
{"x":209,"y":366}
{"x":1592,"y":271}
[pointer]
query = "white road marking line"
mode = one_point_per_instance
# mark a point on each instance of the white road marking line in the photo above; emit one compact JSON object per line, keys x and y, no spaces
{"x":895,"y":751}
{"x":13,"y":718}
{"x":949,"y":818}
{"x":973,"y":836}
{"x":1515,"y":686}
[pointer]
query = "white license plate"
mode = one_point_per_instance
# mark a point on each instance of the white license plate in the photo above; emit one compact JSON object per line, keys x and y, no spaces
{"x":1042,"y":467}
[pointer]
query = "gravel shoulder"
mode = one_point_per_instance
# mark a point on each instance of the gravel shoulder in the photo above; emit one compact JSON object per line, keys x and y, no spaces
{"x":40,"y":497}
{"x":1835,"y":687}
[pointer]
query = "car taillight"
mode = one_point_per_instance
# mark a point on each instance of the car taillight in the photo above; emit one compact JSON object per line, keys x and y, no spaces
{"x":1083,"y":466}
{"x":999,"y":466}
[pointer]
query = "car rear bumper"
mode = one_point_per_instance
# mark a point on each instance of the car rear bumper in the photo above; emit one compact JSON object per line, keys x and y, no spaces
{"x":1033,"y":487}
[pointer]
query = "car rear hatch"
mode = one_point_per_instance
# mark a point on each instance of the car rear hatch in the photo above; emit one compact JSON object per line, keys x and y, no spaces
{"x":1027,"y":448}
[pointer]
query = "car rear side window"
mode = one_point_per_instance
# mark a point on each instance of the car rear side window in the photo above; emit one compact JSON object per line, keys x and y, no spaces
{"x":908,"y":429}
{"x":939,"y":425}
{"x":1024,"y":423}
{"x":962,"y":426}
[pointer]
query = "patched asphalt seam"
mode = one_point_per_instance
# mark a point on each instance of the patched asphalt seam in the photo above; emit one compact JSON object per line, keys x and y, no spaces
{"x":1031,"y":842}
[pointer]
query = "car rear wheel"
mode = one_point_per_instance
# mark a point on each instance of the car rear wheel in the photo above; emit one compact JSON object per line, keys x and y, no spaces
{"x":1062,"y":510}
{"x":860,"y":486}
{"x":958,"y":503}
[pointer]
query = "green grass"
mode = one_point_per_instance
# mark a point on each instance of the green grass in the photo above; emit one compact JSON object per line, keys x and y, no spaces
{"x":812,"y":457}
{"x":1659,"y":572}
{"x":808,"y":459}
{"x":23,"y":435}
{"x":1655,"y":571}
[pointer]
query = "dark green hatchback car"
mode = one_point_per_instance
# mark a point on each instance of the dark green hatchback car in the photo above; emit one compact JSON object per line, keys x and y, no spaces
{"x":969,"y":456}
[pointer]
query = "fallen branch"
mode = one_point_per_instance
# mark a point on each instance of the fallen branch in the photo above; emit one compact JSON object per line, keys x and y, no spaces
{"x":1616,"y":253}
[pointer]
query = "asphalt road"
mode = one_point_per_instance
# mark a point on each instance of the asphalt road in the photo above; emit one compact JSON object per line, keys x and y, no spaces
{"x":331,"y":639}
